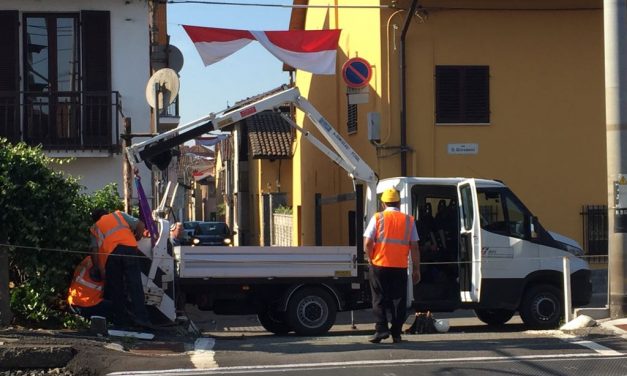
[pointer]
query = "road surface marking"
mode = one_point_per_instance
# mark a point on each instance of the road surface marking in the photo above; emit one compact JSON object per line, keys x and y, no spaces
{"x":203,"y":355}
{"x":600,"y":349}
{"x":291,"y":367}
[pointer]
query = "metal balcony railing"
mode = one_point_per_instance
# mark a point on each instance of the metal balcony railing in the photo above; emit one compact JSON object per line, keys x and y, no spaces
{"x":62,"y":120}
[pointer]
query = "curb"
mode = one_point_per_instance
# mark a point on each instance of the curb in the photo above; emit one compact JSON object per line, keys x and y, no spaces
{"x":39,"y":356}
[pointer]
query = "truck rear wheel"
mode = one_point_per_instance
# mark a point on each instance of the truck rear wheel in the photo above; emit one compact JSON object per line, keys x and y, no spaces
{"x":494,"y":317}
{"x":541,"y":307}
{"x":311,"y":311}
{"x":274,"y":321}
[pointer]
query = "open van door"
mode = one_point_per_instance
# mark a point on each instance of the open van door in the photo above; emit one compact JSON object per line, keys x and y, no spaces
{"x":469,"y":242}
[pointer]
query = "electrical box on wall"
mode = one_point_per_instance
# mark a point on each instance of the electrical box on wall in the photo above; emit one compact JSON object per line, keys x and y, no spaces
{"x":374,"y":126}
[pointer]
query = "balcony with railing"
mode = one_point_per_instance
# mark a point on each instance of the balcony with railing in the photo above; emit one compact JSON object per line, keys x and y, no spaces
{"x":62,"y":121}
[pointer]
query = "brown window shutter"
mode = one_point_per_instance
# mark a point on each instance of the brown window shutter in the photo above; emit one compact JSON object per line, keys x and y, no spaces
{"x":9,"y":75}
{"x":462,"y":94}
{"x":96,"y":35}
{"x":96,"y":80}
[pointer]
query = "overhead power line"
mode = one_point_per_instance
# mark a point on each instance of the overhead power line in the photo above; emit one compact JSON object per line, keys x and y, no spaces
{"x":293,"y":6}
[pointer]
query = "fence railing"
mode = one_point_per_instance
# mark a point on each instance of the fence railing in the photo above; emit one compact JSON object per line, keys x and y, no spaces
{"x":595,"y":232}
{"x":282,"y":229}
{"x":62,"y":120}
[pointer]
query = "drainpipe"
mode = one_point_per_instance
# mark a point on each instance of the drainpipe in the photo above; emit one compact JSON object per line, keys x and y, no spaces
{"x":403,"y":89}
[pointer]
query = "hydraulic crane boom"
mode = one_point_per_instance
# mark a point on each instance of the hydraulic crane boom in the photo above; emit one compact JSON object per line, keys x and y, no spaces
{"x":342,"y":152}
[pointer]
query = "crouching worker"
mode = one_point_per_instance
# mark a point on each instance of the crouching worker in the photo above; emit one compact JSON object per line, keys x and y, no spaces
{"x":86,"y":293}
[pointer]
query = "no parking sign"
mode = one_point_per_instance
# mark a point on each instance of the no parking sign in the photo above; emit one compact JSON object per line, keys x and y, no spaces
{"x":356,"y":72}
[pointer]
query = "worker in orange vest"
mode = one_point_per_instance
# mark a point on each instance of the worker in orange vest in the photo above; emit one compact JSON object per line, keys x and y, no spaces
{"x":388,"y":240}
{"x":86,"y":293}
{"x":114,"y":250}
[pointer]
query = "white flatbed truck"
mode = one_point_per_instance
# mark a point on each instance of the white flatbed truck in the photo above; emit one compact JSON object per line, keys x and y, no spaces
{"x":492,"y":255}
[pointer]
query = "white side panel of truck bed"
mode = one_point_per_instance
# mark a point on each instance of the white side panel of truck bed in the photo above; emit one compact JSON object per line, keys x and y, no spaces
{"x":266,"y":262}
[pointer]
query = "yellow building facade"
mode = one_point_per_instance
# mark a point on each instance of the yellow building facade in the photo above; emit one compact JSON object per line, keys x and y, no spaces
{"x":541,"y":77}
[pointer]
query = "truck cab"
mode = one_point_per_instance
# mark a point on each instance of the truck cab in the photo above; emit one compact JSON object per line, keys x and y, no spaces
{"x":482,"y":248}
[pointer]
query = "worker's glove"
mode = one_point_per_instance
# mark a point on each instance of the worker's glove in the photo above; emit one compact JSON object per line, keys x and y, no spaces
{"x":94,"y":274}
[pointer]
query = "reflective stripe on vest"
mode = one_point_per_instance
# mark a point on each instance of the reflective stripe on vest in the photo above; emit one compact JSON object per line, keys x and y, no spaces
{"x":392,"y":239}
{"x":110,"y":231}
{"x":85,"y":292}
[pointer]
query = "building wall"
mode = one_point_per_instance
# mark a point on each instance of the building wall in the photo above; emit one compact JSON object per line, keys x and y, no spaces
{"x":130,"y":71}
{"x":318,"y":174}
{"x":546,"y":137}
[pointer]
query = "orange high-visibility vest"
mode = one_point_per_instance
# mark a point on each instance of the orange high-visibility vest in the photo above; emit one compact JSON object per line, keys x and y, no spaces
{"x":84,"y":291}
{"x":110,"y":231}
{"x":392,"y":236}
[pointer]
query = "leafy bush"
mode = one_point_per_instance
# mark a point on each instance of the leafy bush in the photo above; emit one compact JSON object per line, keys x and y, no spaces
{"x":283,"y":209}
{"x":45,"y":220}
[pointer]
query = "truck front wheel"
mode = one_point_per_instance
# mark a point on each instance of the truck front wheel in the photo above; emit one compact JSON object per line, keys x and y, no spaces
{"x":494,"y":317}
{"x":311,"y":311}
{"x":541,"y":307}
{"x":273,"y":321}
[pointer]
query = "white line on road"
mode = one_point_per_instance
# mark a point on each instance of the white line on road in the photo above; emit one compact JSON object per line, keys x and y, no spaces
{"x":600,"y":349}
{"x":203,"y":356}
{"x":291,"y":367}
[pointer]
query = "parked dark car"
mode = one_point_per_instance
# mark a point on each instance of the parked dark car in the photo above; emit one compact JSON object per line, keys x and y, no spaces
{"x":189,"y":228}
{"x":212,"y":233}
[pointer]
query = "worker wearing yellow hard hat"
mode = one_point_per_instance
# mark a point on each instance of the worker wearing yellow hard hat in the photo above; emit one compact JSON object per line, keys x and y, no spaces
{"x":388,"y":240}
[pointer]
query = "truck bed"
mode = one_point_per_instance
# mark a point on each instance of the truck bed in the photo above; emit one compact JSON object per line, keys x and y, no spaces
{"x":266,"y":262}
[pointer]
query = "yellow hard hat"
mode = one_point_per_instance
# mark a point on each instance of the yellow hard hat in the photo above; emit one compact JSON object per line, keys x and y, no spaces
{"x":390,"y":195}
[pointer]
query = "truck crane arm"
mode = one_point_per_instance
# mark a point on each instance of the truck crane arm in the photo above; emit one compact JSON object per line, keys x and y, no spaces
{"x":342,"y":153}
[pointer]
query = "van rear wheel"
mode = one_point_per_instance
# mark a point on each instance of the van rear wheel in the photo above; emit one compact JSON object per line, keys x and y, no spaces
{"x":541,"y":307}
{"x":494,"y":317}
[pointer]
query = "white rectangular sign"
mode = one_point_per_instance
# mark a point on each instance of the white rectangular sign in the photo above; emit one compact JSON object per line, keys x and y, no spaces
{"x":463,"y":148}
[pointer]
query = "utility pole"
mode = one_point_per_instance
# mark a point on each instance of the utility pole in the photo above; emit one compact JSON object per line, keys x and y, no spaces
{"x":614,"y":20}
{"x":127,"y":170}
{"x":5,"y":309}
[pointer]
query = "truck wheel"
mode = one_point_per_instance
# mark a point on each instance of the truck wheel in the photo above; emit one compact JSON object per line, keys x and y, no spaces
{"x":541,"y":307}
{"x":311,"y":311}
{"x":273,"y":321}
{"x":494,"y":317}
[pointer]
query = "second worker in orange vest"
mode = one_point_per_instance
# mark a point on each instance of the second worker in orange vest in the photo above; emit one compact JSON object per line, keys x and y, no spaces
{"x":86,"y":294}
{"x":114,"y":245}
{"x":388,"y":240}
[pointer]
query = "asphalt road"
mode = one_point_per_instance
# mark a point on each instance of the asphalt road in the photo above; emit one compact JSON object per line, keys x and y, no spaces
{"x":239,"y":345}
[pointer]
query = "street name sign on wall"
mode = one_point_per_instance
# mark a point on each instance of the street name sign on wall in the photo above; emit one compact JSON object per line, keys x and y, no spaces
{"x":463,"y":148}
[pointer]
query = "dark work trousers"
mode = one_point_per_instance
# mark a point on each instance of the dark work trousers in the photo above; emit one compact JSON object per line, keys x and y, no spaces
{"x":389,"y":291}
{"x":124,"y":282}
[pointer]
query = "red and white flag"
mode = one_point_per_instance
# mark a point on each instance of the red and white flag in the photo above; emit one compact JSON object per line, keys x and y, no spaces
{"x":309,"y":50}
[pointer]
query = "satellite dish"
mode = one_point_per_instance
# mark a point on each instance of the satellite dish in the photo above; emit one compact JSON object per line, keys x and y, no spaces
{"x":168,"y":87}
{"x":175,"y":58}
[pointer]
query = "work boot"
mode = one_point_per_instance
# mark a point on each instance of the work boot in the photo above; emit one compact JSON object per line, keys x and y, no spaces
{"x":378,"y":337}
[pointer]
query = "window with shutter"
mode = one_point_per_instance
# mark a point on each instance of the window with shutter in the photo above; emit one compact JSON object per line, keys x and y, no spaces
{"x":462,"y":94}
{"x":9,"y":76}
{"x":64,"y":99}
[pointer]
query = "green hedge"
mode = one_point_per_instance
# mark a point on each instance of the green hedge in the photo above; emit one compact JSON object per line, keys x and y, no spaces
{"x":45,"y":218}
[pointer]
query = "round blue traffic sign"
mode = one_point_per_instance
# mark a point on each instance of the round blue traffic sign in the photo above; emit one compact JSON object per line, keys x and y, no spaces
{"x":356,"y":72}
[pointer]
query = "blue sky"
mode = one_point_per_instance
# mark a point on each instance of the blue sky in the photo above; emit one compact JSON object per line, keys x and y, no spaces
{"x":248,"y":72}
